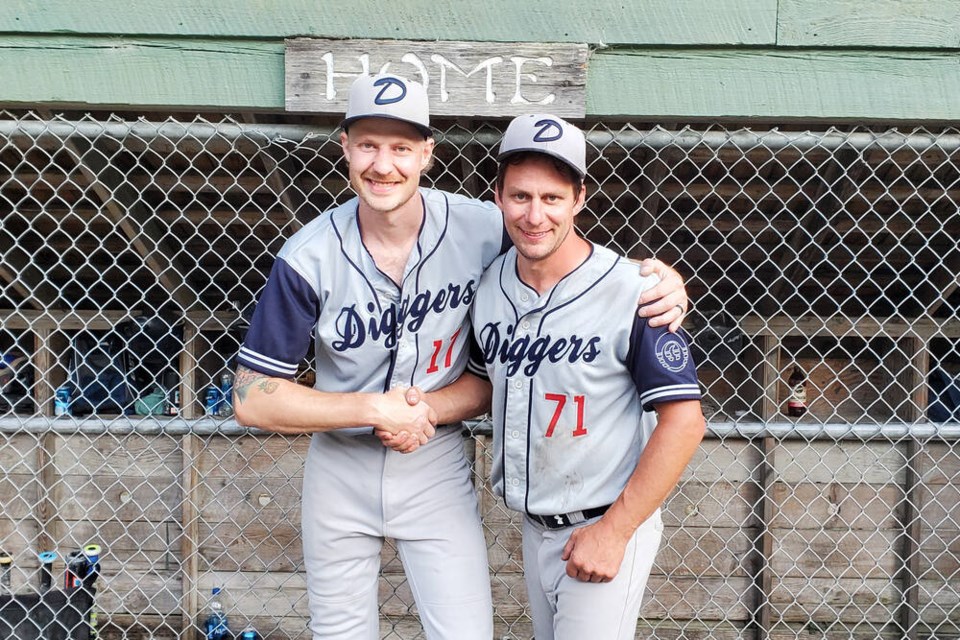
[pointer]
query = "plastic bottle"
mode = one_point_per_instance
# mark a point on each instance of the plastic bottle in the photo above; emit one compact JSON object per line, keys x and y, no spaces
{"x":211,"y":401}
{"x":61,"y":401}
{"x":216,"y":626}
{"x":797,"y":404}
{"x":46,"y":559}
{"x":6,"y":565}
{"x":91,"y":553}
{"x":249,"y":633}
{"x":225,"y":409}
{"x":172,"y":405}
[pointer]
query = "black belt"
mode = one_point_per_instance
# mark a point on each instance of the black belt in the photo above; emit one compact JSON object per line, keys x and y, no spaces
{"x":561,"y":520}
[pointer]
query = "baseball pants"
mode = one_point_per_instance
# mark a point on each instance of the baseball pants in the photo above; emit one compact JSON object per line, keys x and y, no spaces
{"x":355,"y":493}
{"x":564,"y":608}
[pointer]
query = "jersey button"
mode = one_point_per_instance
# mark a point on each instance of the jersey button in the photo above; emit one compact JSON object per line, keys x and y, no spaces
{"x":524,"y":297}
{"x":525,"y":325}
{"x":515,"y":434}
{"x":518,"y":384}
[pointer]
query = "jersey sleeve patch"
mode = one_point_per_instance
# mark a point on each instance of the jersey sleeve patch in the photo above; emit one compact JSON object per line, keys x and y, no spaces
{"x":672,"y":352}
{"x":282,"y":324}
{"x":661,"y":365}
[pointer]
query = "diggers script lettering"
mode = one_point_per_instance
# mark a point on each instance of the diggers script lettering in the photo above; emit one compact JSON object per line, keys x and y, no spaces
{"x":386,"y":327}
{"x":515,"y":351}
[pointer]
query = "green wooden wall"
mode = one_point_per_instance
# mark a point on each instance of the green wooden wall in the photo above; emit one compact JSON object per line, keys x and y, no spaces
{"x":842,"y":60}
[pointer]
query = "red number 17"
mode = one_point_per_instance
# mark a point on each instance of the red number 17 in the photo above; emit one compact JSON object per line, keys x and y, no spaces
{"x":437,"y":347}
{"x":561,"y":400}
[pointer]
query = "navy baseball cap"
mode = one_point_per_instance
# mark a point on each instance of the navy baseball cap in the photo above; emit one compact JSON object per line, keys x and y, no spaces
{"x":547,"y":134}
{"x":389,"y":96}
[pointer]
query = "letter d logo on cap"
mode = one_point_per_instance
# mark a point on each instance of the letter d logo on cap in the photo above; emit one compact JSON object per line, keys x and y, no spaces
{"x":389,"y":96}
{"x":549,"y":131}
{"x":385,"y":85}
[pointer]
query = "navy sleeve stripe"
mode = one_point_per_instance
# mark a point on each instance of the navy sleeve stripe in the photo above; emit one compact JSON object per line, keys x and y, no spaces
{"x":688,"y":391}
{"x":262,"y":363}
{"x":479,"y":371}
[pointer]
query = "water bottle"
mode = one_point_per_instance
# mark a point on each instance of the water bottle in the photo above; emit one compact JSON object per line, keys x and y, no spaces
{"x":211,"y":401}
{"x":797,"y":404}
{"x":172,"y":405}
{"x":216,"y":627}
{"x":226,"y":395}
{"x":46,"y":559}
{"x":61,"y":401}
{"x":91,"y":553}
{"x":6,"y":564}
{"x":249,"y":633}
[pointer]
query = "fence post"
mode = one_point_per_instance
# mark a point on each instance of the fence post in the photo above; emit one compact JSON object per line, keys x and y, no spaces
{"x":189,"y":547}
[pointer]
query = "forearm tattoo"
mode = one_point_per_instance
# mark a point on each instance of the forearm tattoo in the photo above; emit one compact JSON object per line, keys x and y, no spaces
{"x":247,"y":379}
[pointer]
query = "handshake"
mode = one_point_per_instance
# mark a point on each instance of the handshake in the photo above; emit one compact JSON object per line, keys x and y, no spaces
{"x":405,"y":420}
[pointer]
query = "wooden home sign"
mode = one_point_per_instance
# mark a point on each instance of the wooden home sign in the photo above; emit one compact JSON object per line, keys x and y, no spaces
{"x":485,"y":79}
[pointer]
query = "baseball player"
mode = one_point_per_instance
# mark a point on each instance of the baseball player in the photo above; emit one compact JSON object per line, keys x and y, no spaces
{"x":576,"y":379}
{"x":383,"y":284}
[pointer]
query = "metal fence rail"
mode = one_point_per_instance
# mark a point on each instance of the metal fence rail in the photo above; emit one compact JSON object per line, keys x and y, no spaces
{"x":129,"y":248}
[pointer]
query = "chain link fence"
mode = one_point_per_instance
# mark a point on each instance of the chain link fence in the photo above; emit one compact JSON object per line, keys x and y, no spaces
{"x":131,"y":248}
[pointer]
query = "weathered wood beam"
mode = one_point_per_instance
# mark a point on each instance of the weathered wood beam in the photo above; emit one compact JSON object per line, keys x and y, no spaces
{"x":842,"y":326}
{"x":780,"y":326}
{"x":27,"y":281}
{"x":928,"y":24}
{"x":102,"y":319}
{"x":695,"y":22}
{"x":190,"y":543}
{"x":282,"y":179}
{"x":764,"y":477}
{"x":840,"y":85}
{"x":657,"y":82}
{"x":911,"y":363}
{"x":941,"y":283}
{"x":652,"y":198}
{"x":468,"y":159}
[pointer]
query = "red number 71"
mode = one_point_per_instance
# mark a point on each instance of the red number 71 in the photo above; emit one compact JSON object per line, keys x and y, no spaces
{"x":561,"y":400}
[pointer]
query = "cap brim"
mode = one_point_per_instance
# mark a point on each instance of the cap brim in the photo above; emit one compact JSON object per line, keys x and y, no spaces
{"x":507,"y":154}
{"x":426,"y":131}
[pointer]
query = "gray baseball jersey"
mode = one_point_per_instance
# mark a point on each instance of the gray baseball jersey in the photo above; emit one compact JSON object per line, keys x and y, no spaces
{"x":575,"y":377}
{"x":371,"y":335}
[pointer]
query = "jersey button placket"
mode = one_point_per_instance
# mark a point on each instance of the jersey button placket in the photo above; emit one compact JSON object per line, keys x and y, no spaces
{"x":515,"y":466}
{"x":402,"y":369}
{"x":405,"y":360}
